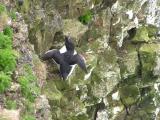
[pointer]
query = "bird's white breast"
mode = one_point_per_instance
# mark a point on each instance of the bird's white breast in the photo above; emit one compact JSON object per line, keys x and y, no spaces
{"x":63,"y":50}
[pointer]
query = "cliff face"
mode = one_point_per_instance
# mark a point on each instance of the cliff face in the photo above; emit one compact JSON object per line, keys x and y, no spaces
{"x":120,"y":42}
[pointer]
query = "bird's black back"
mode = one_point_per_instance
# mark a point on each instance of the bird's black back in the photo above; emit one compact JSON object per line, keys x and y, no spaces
{"x":68,"y":56}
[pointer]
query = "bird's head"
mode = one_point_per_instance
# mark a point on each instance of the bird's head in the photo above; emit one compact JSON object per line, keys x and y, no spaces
{"x":69,"y":43}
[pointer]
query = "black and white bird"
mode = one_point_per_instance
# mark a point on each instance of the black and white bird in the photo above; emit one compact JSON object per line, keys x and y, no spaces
{"x":66,"y":58}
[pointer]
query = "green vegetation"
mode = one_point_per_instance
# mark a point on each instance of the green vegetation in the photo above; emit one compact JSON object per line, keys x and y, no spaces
{"x":25,"y":7}
{"x":7,"y":57}
{"x":2,"y":8}
{"x":8,"y":31}
{"x":86,"y":18}
{"x":131,"y":97}
{"x":5,"y":41}
{"x":3,"y":16}
{"x":148,"y":53}
{"x":29,"y":117}
{"x":7,"y":60}
{"x":28,"y":82}
{"x":3,"y":12}
{"x":141,"y":35}
{"x":11,"y":104}
{"x":152,"y":30}
{"x":12,"y":14}
{"x":29,"y":111}
{"x":145,"y":34}
{"x":97,"y":2}
{"x":5,"y":81}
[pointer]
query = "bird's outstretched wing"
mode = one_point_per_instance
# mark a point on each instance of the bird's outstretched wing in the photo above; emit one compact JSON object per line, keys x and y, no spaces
{"x":65,"y":69}
{"x":52,"y":54}
{"x":78,"y":59}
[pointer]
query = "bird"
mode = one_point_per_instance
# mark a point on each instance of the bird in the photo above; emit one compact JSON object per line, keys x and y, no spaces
{"x":67,"y":57}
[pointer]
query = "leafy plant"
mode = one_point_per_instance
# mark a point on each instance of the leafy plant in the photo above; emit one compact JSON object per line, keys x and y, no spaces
{"x":86,"y":18}
{"x":8,"y":31}
{"x":5,"y":41}
{"x":10,"y":104}
{"x":26,"y":88}
{"x":28,"y":84}
{"x":5,"y":81}
{"x":7,"y":60}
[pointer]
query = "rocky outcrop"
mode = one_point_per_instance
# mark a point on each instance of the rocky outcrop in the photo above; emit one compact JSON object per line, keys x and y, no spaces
{"x":121,"y":49}
{"x":18,"y":101}
{"x":30,"y":75}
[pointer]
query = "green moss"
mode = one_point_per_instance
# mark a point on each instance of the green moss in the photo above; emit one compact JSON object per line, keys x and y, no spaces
{"x":5,"y":41}
{"x":149,"y":48}
{"x":11,"y":104}
{"x":53,"y":90}
{"x":128,"y":61}
{"x":145,"y":33}
{"x":129,"y":94}
{"x":152,"y":30}
{"x":86,"y":17}
{"x":8,"y":31}
{"x":95,"y":77}
{"x":5,"y":82}
{"x":147,"y":102}
{"x":141,"y":35}
{"x":7,"y":60}
{"x":148,"y":53}
{"x":97,"y":1}
{"x":148,"y":61}
{"x":131,"y":80}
